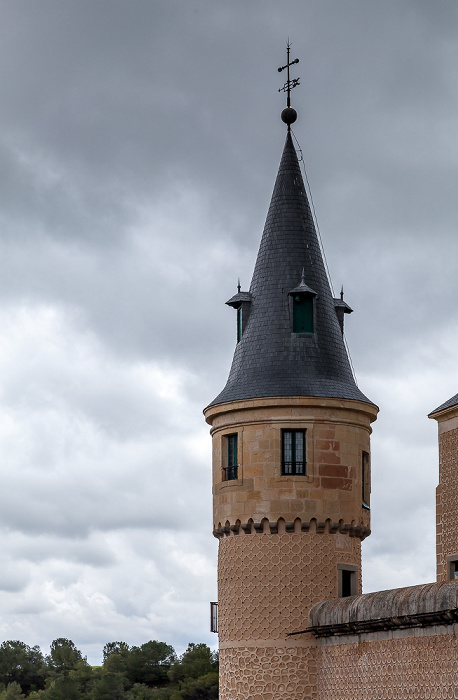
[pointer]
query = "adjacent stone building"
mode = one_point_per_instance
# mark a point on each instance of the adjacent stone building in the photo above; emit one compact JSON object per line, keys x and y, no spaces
{"x":291,"y":493}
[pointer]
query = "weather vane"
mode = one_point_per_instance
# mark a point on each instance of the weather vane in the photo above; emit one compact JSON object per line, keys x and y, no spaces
{"x":289,"y":115}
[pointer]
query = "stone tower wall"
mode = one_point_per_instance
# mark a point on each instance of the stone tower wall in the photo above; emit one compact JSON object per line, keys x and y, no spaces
{"x":282,"y":537}
{"x":266,"y":584}
{"x":417,"y":663}
{"x":447,"y":495}
{"x":337,"y":434}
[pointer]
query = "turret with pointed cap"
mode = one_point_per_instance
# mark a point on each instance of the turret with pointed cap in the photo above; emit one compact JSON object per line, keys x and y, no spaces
{"x":291,"y":466}
{"x":270,"y":359}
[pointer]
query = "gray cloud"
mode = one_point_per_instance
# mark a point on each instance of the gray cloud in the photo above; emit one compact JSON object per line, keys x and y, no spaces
{"x":139,"y":144}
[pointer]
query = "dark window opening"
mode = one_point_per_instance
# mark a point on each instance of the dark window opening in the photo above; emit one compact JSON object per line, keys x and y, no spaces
{"x":239,"y":324}
{"x":452,"y":563}
{"x":366,"y":480}
{"x":293,"y":452}
{"x":302,"y":313}
{"x":231,"y":469}
{"x":347,"y":581}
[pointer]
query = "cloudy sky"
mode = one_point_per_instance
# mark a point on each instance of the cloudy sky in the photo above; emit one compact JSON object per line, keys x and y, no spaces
{"x":139,"y":144}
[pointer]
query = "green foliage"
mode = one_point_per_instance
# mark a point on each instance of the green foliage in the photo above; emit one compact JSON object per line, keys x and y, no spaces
{"x":110,"y":686}
{"x":116,"y":656}
{"x":83,"y":675}
{"x":139,"y":691}
{"x":150,"y":663}
{"x":63,"y":688}
{"x":22,"y":664}
{"x":147,"y":672}
{"x":12,"y":692}
{"x":205,"y":687}
{"x":64,"y":657}
{"x":197,"y":660}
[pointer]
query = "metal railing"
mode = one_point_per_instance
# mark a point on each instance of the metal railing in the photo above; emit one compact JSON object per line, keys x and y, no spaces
{"x":293,"y":468}
{"x":231,"y":473}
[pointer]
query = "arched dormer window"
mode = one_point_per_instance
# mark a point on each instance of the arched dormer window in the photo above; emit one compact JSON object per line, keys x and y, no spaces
{"x":303,"y":302}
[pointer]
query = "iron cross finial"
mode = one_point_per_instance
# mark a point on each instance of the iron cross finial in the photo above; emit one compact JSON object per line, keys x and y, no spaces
{"x":290,"y":84}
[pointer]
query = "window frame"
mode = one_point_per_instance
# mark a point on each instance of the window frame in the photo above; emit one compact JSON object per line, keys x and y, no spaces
{"x":231,"y":457}
{"x":239,"y":323}
{"x":298,"y":300}
{"x":351,"y":570}
{"x":293,"y":462}
{"x":214,"y":616}
{"x":452,"y":567}
{"x":366,"y":480}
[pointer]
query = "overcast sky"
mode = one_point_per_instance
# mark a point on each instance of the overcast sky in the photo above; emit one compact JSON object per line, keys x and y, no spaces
{"x":139,"y":143}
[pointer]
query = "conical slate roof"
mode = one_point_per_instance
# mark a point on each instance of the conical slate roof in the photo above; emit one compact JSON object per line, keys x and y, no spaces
{"x":271,"y":360}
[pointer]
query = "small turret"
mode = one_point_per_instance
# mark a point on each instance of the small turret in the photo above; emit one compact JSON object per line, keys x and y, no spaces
{"x":341,"y":308}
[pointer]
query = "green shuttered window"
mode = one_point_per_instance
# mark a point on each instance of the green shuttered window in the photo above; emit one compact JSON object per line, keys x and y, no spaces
{"x":302,"y":313}
{"x":231,"y":471}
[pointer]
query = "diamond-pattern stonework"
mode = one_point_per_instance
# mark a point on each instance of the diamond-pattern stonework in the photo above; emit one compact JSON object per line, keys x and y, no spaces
{"x":410,"y":668}
{"x":267,"y":583}
{"x":447,"y":501}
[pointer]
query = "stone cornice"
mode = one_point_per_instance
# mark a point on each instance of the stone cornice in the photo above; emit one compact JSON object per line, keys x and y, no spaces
{"x":369,"y":409}
{"x":267,"y":527}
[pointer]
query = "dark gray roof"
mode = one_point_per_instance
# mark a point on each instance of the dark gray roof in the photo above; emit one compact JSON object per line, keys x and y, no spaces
{"x":416,"y":606}
{"x":340,"y":303}
{"x":270,"y":360}
{"x":237,"y":299}
{"x":448,"y":404}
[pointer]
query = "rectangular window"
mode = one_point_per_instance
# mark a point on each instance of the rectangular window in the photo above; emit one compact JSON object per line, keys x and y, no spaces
{"x":452,"y":565}
{"x":231,"y":468}
{"x":347,"y":581}
{"x":302,"y":314}
{"x":293,"y":452}
{"x":239,"y":324}
{"x":366,"y":479}
{"x":213,"y":617}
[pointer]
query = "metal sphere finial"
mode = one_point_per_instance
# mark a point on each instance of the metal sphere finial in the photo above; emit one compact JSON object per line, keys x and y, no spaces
{"x":289,"y":115}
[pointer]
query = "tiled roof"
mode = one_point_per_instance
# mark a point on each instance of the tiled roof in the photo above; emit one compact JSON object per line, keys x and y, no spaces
{"x":270,"y":360}
{"x":448,"y":404}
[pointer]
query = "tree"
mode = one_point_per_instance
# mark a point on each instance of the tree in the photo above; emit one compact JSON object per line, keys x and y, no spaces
{"x":22,"y":664}
{"x":149,"y":663}
{"x":110,"y":686}
{"x":196,"y":661}
{"x":83,"y":676}
{"x":202,"y":688}
{"x":139,"y":691}
{"x":63,"y":688}
{"x":116,"y":657}
{"x":12,"y":692}
{"x":64,"y":657}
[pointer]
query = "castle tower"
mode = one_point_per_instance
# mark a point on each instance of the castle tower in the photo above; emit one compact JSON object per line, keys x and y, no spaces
{"x":447,"y":490}
{"x":291,"y":458}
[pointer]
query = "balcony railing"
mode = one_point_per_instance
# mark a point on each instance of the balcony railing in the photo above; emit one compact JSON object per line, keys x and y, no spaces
{"x":231,"y":473}
{"x":293,"y":468}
